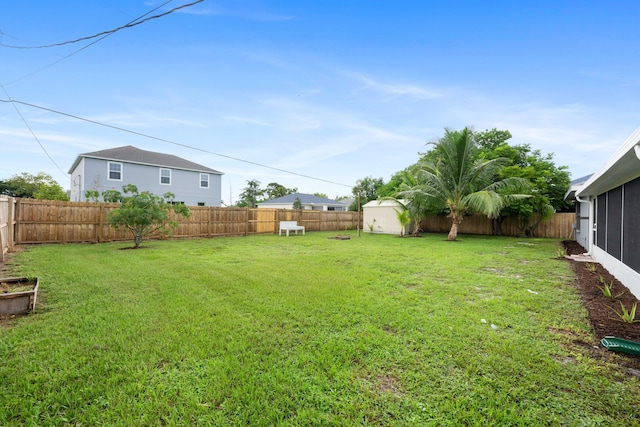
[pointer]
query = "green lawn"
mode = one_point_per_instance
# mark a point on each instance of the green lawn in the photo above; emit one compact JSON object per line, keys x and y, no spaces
{"x":306,"y":330}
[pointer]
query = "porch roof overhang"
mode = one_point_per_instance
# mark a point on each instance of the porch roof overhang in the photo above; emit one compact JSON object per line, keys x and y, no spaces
{"x":622,"y":167}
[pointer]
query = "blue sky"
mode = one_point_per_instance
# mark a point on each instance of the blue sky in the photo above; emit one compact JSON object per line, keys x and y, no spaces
{"x":335,"y":90}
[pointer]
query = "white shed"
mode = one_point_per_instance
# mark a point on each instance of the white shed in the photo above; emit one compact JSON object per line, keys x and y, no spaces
{"x":380,"y":216}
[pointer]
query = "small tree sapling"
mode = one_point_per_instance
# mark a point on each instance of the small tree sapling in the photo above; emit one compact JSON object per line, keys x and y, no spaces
{"x":144,"y":213}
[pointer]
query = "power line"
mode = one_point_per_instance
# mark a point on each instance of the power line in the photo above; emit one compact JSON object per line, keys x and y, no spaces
{"x":31,"y":130}
{"x":131,"y":24}
{"x":136,"y":21}
{"x":13,"y":101}
{"x":108,"y":33}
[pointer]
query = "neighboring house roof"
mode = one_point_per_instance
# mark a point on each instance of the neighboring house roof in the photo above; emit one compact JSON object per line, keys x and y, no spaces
{"x":305,"y":199}
{"x":581,"y":180}
{"x":132,"y":154}
{"x":575,"y":186}
{"x":622,"y":167}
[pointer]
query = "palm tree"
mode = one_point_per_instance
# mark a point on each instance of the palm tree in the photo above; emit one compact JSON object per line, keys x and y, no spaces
{"x":412,"y":201}
{"x":451,"y":176}
{"x":403,"y":218}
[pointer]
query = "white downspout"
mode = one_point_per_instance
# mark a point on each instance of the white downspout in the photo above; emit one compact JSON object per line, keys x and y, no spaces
{"x":591,"y":223}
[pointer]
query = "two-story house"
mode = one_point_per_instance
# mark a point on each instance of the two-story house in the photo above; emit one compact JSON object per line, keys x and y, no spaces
{"x":158,"y":173}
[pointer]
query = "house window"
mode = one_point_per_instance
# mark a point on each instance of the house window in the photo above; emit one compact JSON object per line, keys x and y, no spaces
{"x":115,"y":171}
{"x":200,"y":203}
{"x":204,"y":180}
{"x":165,"y":176}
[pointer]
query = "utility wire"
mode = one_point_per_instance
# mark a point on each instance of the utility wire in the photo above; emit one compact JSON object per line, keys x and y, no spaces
{"x":133,"y":23}
{"x":31,"y":130}
{"x":102,"y":36}
{"x":94,"y":42}
{"x":13,"y":101}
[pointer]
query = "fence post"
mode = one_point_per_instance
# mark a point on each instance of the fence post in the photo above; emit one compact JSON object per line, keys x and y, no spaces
{"x":17,"y":214}
{"x":1,"y":241}
{"x":246,"y":225}
{"x":209,"y":221}
{"x":100,"y":224}
{"x":275,"y":220}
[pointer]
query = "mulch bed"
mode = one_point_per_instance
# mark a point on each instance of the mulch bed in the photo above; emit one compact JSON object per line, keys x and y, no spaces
{"x":600,"y":308}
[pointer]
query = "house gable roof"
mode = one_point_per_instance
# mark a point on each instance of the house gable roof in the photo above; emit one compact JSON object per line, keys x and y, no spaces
{"x":305,"y":199}
{"x":622,"y":167}
{"x":132,"y":154}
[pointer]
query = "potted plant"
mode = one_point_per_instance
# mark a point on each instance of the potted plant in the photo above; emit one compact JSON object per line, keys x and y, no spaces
{"x":18,"y":295}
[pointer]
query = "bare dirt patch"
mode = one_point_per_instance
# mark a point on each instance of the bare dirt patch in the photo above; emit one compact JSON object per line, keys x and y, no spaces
{"x":389,"y":384}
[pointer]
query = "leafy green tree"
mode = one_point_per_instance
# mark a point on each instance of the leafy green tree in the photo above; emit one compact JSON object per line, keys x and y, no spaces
{"x":275,"y":190}
{"x":251,"y":194}
{"x":549,"y":183}
{"x":460,"y":183}
{"x":323,"y":195}
{"x":490,"y":140}
{"x":92,"y":195}
{"x":41,"y":186}
{"x":393,"y":186}
{"x":297,"y":204}
{"x":112,"y":196}
{"x":144,"y":213}
{"x":367,"y":188}
{"x":410,"y":195}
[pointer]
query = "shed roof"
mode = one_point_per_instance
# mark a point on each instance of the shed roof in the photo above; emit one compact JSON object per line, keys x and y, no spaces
{"x":132,"y":154}
{"x":384,"y":203}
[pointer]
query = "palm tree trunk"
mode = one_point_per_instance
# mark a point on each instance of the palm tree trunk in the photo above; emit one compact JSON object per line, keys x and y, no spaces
{"x":456,"y":218}
{"x":453,"y":233}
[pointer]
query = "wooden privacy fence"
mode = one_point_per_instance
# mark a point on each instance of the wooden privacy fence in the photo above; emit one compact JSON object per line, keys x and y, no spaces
{"x":560,"y":226}
{"x":44,"y":221}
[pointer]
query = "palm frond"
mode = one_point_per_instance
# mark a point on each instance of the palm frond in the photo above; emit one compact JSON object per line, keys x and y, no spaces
{"x":511,"y":186}
{"x":489,"y":203}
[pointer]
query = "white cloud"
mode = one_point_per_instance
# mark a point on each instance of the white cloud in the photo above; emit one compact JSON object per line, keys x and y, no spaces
{"x":395,"y":90}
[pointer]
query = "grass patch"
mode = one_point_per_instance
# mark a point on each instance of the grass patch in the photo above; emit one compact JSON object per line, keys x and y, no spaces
{"x":269,"y":330}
